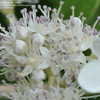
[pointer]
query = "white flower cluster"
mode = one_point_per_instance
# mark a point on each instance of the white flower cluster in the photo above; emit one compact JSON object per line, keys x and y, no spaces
{"x":49,"y":51}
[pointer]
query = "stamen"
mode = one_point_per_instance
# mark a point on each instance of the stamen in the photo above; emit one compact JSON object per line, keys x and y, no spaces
{"x":54,"y":15}
{"x":73,"y":10}
{"x":54,"y":10}
{"x":81,"y":15}
{"x":39,"y":6}
{"x":48,"y":13}
{"x":96,"y":22}
{"x":62,"y":17}
{"x":34,"y":7}
{"x":83,"y":19}
{"x":34,"y":11}
{"x":45,"y":10}
{"x":24,"y":14}
{"x":31,"y":18}
{"x":98,"y":17}
{"x":60,"y":6}
{"x":44,"y":7}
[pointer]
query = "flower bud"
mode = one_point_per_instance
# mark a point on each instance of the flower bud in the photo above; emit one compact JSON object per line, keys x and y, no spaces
{"x":38,"y":39}
{"x":38,"y":75}
{"x":44,"y":51}
{"x":22,"y":32}
{"x":76,"y":21}
{"x":20,"y":46}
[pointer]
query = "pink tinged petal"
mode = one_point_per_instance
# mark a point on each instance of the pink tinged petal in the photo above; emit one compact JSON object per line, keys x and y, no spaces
{"x":89,"y":77}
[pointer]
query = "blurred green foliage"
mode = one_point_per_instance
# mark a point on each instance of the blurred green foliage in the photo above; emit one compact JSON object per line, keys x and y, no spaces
{"x":3,"y":98}
{"x":3,"y":20}
{"x":90,"y":8}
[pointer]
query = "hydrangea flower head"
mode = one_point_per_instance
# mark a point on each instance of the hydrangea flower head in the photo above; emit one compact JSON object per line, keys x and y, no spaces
{"x":48,"y":50}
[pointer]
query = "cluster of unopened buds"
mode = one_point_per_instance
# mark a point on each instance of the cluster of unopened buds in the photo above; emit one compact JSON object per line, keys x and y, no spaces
{"x":45,"y":56}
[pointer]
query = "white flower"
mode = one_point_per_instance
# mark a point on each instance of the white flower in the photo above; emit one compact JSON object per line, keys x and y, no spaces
{"x":89,"y":77}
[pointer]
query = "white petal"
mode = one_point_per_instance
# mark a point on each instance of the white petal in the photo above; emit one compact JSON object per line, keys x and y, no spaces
{"x":96,"y":47}
{"x":89,"y":77}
